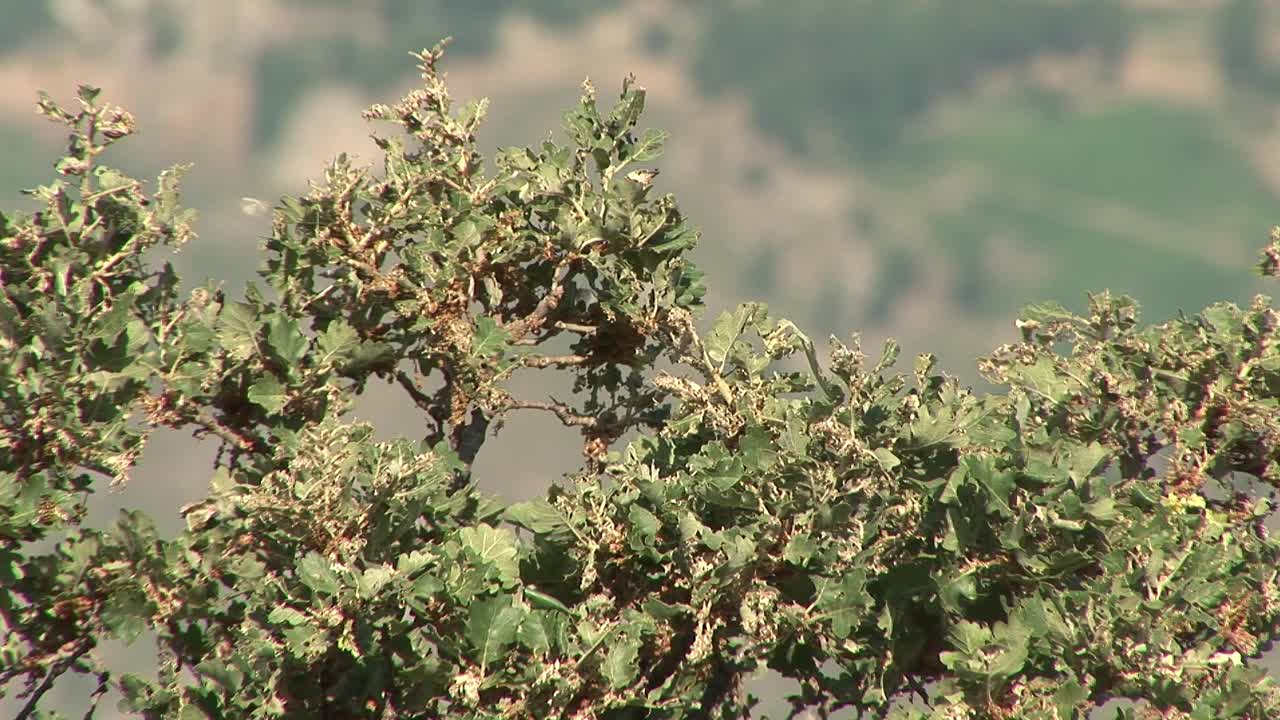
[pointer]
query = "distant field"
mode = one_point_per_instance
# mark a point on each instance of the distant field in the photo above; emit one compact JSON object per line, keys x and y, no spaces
{"x":24,"y":163}
{"x":1140,"y":198}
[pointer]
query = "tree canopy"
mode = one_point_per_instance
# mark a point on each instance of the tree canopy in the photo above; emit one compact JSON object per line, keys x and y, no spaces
{"x":899,"y":545}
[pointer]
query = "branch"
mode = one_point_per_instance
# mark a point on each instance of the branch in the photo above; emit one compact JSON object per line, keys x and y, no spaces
{"x":420,"y":398}
{"x":97,"y":695}
{"x":562,"y":411}
{"x":84,"y":646}
{"x":470,"y":436}
{"x":560,"y":326}
{"x":542,"y":361}
{"x":210,"y":425}
{"x":575,"y":327}
{"x":545,"y":306}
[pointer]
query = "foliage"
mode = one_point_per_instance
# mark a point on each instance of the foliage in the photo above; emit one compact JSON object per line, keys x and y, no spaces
{"x":1088,"y":534}
{"x":863,"y":70}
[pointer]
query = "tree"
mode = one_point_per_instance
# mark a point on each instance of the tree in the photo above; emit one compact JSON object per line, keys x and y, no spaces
{"x":1090,"y":533}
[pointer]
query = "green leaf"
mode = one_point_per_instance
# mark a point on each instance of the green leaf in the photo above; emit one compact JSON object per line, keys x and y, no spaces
{"x":110,"y":324}
{"x":1069,"y":697}
{"x":269,"y":393}
{"x":932,"y":426}
{"x":845,"y":601}
{"x":1047,"y":313}
{"x":958,"y":592}
{"x":1084,"y":461}
{"x":533,"y":634}
{"x":650,"y":146}
{"x":686,"y":425}
{"x":371,"y":582}
{"x":228,"y":677}
{"x":1013,"y":639}
{"x":628,"y":110}
{"x":88,"y":93}
{"x":517,"y":158}
{"x":337,"y":344}
{"x":369,"y":357}
{"x":757,"y":449}
{"x":1103,"y":509}
{"x":285,"y":337}
{"x":800,"y":548}
{"x":539,"y":517}
{"x":1225,"y":318}
{"x":467,"y":233}
{"x":495,"y":547}
{"x":490,"y":338}
{"x":196,"y":336}
{"x":491,"y":626}
{"x":580,"y":125}
{"x":283,"y":614}
{"x":543,"y":601}
{"x":724,"y":475}
{"x":961,"y":531}
{"x":727,"y":332}
{"x":740,"y":549}
{"x":795,"y":439}
{"x":1042,"y":378}
{"x":305,"y":640}
{"x":126,"y":614}
{"x":237,"y":330}
{"x":620,"y":663}
{"x":316,"y":572}
{"x":644,"y":527}
{"x":291,"y":208}
{"x":886,"y":458}
{"x":999,"y":484}
{"x":663,"y":611}
{"x":969,"y":637}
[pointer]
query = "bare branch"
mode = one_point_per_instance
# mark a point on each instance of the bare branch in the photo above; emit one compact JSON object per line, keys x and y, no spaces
{"x":575,"y":327}
{"x":546,"y":306}
{"x":83,"y":646}
{"x":208,"y":424}
{"x":562,"y":411}
{"x":541,"y":361}
{"x":420,"y":398}
{"x":470,"y":436}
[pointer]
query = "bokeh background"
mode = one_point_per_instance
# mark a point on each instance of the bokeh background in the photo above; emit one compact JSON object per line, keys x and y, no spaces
{"x":910,"y":168}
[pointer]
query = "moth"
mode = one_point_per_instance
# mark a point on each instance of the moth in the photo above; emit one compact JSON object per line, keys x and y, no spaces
{"x":253,"y":207}
{"x":644,"y":177}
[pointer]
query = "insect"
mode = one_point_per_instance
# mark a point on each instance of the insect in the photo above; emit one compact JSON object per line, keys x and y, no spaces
{"x":643,"y":177}
{"x":253,"y":207}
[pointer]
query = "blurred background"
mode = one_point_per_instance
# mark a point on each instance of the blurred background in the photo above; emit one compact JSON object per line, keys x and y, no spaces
{"x":910,"y":168}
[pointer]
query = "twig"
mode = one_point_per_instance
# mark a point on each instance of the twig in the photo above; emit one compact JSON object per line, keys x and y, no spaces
{"x":575,"y":327}
{"x":470,"y":436}
{"x":97,"y":695}
{"x":542,"y":361}
{"x":53,"y":674}
{"x":210,"y":425}
{"x":545,"y":306}
{"x":562,"y":411}
{"x":420,"y":398}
